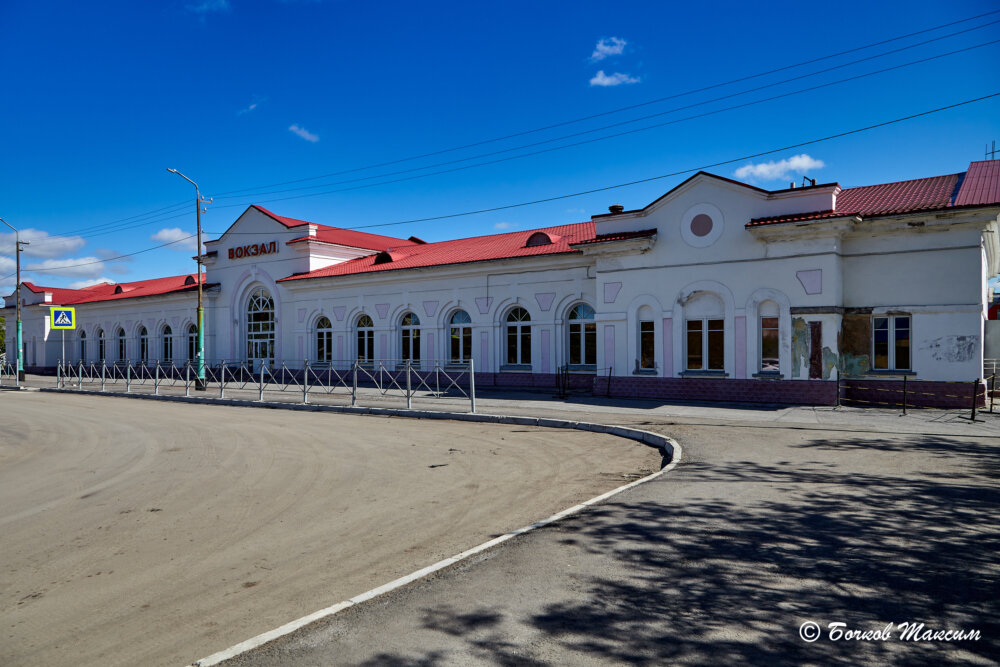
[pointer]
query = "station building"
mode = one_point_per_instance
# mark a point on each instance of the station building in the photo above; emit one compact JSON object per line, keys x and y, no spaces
{"x":717,"y":290}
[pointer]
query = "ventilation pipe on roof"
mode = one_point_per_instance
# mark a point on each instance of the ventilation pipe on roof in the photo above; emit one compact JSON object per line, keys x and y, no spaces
{"x":616,"y":209}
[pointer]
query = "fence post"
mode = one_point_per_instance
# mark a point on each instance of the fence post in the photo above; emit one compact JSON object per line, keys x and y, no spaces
{"x":354,"y":387}
{"x":128,"y":377}
{"x":305,"y":380}
{"x":904,"y":395}
{"x":187,"y":378}
{"x":975,"y":395}
{"x":472,"y":383}
{"x":261,"y":399}
{"x":409,"y":396}
{"x":838,"y":387}
{"x":222,"y":380}
{"x":79,"y":380}
{"x":59,"y":375}
{"x":993,"y":388}
{"x":156,"y":380}
{"x":104,"y":367}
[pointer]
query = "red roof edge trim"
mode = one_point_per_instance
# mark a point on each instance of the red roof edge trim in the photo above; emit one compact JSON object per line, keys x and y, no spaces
{"x":617,"y":236}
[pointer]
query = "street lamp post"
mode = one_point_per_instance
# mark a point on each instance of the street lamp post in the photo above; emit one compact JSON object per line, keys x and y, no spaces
{"x":19,"y":371}
{"x":198,"y":201}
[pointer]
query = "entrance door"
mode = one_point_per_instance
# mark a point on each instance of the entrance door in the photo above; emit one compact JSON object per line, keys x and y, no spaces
{"x":260,"y":329}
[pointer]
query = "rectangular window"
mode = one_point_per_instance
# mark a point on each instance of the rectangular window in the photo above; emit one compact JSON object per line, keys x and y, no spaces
{"x":461,"y":345}
{"x":647,"y":344}
{"x":706,"y":345}
{"x":891,"y":343}
{"x":768,"y":344}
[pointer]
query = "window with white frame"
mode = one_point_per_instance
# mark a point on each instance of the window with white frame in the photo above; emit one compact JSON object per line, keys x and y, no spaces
{"x":167,"y":348}
{"x":143,"y":345}
{"x":409,"y":333}
{"x":101,"y":348}
{"x":582,"y":336}
{"x":647,"y":345}
{"x":83,"y":345}
{"x":518,"y":337}
{"x":324,"y":340}
{"x":891,"y":343}
{"x":122,"y":349}
{"x":706,"y":345}
{"x":460,"y":338}
{"x":769,"y":340}
{"x":366,"y":339}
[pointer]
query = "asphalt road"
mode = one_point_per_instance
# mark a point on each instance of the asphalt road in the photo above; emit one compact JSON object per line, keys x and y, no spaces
{"x":146,"y":533}
{"x":866,"y":519}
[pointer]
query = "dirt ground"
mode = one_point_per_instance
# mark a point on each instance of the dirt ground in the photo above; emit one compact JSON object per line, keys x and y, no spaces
{"x":151,"y":533}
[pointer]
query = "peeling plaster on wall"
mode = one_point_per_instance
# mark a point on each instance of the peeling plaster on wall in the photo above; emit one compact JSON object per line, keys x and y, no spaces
{"x":855,"y":342}
{"x":854,"y":364}
{"x":955,"y":349}
{"x":800,"y":346}
{"x":829,"y":362}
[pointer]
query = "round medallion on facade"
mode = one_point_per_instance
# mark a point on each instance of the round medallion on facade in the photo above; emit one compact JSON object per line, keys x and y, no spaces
{"x":701,"y":225}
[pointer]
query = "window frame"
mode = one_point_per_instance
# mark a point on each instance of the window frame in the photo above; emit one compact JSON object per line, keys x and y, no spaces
{"x":517,"y":331}
{"x":460,"y":331}
{"x":409,"y":337}
{"x":584,"y":330}
{"x":644,"y":337}
{"x":167,"y":343}
{"x":364,"y":339}
{"x":143,"y":338}
{"x":705,"y":344}
{"x":323,"y":340}
{"x":892,"y":344}
{"x":122,"y":341}
{"x":83,"y":345}
{"x":777,"y":341}
{"x":192,"y":342}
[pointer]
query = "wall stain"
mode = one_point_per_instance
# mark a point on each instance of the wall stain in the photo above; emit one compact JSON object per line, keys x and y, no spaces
{"x":800,"y":345}
{"x":955,"y":349}
{"x":830,"y":362}
{"x":854,"y":343}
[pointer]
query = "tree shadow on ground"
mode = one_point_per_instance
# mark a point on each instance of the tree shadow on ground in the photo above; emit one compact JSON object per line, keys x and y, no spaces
{"x":714,"y":581}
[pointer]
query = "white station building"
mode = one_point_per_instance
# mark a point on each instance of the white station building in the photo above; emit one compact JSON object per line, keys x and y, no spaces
{"x":717,"y":291}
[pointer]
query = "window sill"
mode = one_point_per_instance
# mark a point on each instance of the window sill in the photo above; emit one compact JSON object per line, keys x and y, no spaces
{"x":515,"y":368}
{"x":890,"y":373}
{"x":768,"y":375}
{"x":583,"y":369}
{"x":645,"y":371}
{"x":704,"y":374}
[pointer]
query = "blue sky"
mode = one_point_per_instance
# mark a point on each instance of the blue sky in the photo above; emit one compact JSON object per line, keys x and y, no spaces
{"x":99,"y":99}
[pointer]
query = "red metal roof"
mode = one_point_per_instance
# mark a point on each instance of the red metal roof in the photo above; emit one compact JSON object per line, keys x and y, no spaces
{"x":460,"y":251}
{"x":62,"y":296}
{"x":336,"y":235}
{"x":980,"y":186}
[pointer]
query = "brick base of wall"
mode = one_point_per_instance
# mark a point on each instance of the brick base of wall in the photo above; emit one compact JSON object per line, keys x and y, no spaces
{"x":800,"y":392}
{"x":919,"y":394}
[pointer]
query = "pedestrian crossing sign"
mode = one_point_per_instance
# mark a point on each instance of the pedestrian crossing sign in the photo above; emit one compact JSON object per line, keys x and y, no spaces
{"x":62,"y":318}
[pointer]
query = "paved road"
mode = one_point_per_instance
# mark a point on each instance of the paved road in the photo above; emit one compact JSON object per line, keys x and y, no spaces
{"x":867,"y":518}
{"x":145,"y":533}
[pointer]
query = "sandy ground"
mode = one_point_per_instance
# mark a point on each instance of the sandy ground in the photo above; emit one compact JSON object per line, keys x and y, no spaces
{"x":148,"y":533}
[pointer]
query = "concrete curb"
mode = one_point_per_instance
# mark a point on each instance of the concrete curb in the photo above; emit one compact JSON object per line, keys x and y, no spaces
{"x":670,"y":448}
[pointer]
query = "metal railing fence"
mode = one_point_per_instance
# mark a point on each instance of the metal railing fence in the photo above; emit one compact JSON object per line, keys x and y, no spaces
{"x":364,"y":381}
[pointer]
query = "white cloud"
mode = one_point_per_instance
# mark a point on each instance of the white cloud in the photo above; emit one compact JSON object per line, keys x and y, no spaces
{"x":612,"y":46}
{"x":40,"y":244}
{"x":180,"y":239}
{"x":248,"y":109}
{"x":74,"y":267}
{"x":7,"y":265}
{"x":616,"y":79}
{"x":505,"y":225}
{"x":209,"y":6}
{"x":780,"y":170}
{"x":80,"y":284}
{"x":304,"y":133}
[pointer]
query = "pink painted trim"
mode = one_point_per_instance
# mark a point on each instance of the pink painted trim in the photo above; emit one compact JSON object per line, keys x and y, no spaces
{"x":545,"y":351}
{"x":668,"y":347}
{"x":609,"y":346}
{"x":740,"y":331}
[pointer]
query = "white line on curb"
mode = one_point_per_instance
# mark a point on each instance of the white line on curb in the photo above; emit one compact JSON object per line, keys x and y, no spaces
{"x":289,"y":628}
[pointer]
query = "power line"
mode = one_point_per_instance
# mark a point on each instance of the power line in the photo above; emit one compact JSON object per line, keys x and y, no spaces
{"x":620,"y":134}
{"x":675,"y":173}
{"x":621,"y":109}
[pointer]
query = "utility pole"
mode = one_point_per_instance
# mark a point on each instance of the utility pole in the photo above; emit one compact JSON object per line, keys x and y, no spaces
{"x":198,"y":201}
{"x":19,"y":374}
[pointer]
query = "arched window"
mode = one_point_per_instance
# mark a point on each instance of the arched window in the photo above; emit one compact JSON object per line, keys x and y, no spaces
{"x":260,"y":327}
{"x":518,"y":337}
{"x":582,"y":336}
{"x":101,"y":356}
{"x":83,"y":345}
{"x":122,"y":349}
{"x":460,"y":334}
{"x":647,"y":339}
{"x":366,"y":339}
{"x":324,"y":340}
{"x":168,"y":344}
{"x":769,"y":346}
{"x":409,"y":328}
{"x":192,"y":341}
{"x":143,"y":345}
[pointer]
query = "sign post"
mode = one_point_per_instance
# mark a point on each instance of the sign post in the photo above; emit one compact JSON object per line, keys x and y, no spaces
{"x":62,"y":318}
